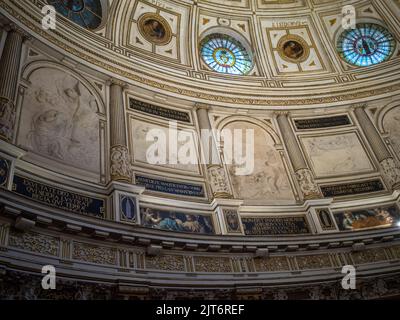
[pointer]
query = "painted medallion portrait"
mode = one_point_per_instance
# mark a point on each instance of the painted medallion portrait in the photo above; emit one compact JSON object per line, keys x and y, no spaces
{"x":293,"y":48}
{"x":155,"y":29}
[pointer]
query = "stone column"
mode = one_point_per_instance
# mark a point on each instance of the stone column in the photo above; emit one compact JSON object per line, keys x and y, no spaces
{"x":120,"y":160}
{"x":215,"y":167}
{"x":304,"y":175}
{"x":390,"y":167}
{"x":9,"y":72}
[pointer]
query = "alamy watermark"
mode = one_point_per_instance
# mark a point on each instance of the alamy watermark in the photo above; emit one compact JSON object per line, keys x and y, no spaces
{"x":49,"y":280}
{"x":180,"y":147}
{"x":349,"y":280}
{"x":49,"y":20}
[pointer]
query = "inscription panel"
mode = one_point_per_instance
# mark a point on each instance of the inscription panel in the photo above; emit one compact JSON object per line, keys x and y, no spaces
{"x":58,"y":198}
{"x":259,"y":226}
{"x":320,"y":123}
{"x":159,"y":111}
{"x":347,"y":189}
{"x":176,"y":188}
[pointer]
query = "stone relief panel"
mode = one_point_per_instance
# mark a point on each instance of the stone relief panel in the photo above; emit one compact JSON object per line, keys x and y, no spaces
{"x":60,"y":120}
{"x":391,"y":125}
{"x":269,"y":180}
{"x":94,"y":254}
{"x":212,"y":264}
{"x":276,"y":263}
{"x":143,"y":137}
{"x":34,"y":242}
{"x":166,"y":262}
{"x":335,"y":155}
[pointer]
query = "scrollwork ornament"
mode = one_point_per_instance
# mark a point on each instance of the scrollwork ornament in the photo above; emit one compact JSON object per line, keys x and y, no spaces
{"x":120,"y":164}
{"x":391,"y":172}
{"x":7,"y":119}
{"x":219,"y":182}
{"x":307,"y":184}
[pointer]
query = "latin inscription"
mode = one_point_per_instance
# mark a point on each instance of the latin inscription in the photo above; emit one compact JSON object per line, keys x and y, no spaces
{"x":352,"y":188}
{"x":317,"y":123}
{"x":182,"y":189}
{"x":58,"y":198}
{"x":261,"y":226}
{"x":159,"y":111}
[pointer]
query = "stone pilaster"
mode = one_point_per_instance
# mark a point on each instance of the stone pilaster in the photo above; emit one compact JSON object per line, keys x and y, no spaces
{"x":9,"y":69}
{"x":390,"y":168}
{"x":119,"y":154}
{"x":304,"y":175}
{"x":217,"y":174}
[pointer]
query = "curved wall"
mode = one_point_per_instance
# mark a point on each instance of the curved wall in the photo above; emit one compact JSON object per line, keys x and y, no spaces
{"x":77,"y":191}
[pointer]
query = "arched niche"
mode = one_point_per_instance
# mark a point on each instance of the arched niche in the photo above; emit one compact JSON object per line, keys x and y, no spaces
{"x":269,"y":182}
{"x":389,"y":125}
{"x":62,"y":121}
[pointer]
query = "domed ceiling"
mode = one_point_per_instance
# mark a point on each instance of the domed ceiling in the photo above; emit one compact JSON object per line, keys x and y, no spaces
{"x":271,"y":53}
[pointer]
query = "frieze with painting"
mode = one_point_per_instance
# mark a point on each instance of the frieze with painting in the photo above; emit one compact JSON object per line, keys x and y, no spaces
{"x":368,"y":218}
{"x":176,"y":221}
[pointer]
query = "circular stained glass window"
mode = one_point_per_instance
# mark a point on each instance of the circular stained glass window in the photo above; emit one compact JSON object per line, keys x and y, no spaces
{"x":225,"y":54}
{"x":366,"y":45}
{"x":86,"y":13}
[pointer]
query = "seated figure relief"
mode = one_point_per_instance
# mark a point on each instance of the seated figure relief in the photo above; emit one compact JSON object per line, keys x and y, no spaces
{"x":59,"y":120}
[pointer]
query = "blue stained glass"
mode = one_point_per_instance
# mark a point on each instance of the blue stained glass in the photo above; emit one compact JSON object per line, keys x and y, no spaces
{"x":225,"y":54}
{"x":86,"y":13}
{"x":366,"y":45}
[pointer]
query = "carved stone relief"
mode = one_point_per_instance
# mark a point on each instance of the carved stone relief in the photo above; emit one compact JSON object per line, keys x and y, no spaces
{"x":336,"y":154}
{"x":391,"y":124}
{"x":7,"y":119}
{"x":147,"y":143}
{"x":60,"y":120}
{"x":269,"y":180}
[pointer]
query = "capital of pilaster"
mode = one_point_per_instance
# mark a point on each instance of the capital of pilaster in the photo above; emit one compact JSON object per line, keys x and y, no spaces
{"x":12,"y":27}
{"x":117,"y":82}
{"x":359,"y":106}
{"x":281,"y":113}
{"x":202,"y":106}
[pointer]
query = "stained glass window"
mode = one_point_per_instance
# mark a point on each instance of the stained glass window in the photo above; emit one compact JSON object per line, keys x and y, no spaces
{"x":225,"y":54}
{"x":86,"y":13}
{"x":366,"y":45}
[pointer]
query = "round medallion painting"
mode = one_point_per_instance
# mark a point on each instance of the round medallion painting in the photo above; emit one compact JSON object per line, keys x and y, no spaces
{"x":86,"y":13}
{"x":366,"y":45}
{"x":155,"y":29}
{"x":225,"y":54}
{"x":293,"y":48}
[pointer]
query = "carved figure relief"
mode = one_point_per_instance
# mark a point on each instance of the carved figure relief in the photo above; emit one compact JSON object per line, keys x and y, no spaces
{"x":336,"y":154}
{"x":269,"y":179}
{"x":59,"y":120}
{"x":148,"y":143}
{"x":391,"y":124}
